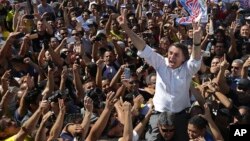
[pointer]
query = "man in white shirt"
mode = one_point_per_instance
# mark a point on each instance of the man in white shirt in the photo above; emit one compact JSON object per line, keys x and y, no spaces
{"x":173,"y":80}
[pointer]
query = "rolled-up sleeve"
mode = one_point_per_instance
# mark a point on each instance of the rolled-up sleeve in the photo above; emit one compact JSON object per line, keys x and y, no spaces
{"x":152,"y":58}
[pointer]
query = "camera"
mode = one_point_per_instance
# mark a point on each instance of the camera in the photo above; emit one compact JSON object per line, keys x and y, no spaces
{"x":32,"y":96}
{"x":51,"y":64}
{"x":96,"y":95}
{"x":55,"y":96}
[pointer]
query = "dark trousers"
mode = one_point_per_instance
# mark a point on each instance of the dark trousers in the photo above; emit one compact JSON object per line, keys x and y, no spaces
{"x":181,"y":121}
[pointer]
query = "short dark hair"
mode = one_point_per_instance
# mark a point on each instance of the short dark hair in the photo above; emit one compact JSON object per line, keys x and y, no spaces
{"x":198,"y":121}
{"x":183,"y":48}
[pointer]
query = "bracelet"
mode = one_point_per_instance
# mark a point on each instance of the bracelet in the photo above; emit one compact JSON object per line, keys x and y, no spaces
{"x":197,"y":44}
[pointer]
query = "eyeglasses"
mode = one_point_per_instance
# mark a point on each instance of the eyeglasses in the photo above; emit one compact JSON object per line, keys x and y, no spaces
{"x":64,"y":33}
{"x":167,"y":130}
{"x":134,"y":82}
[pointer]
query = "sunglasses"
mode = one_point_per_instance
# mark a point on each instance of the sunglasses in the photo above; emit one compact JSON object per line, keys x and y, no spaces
{"x":134,"y":82}
{"x":167,"y":130}
{"x":235,"y":67}
{"x":75,"y":34}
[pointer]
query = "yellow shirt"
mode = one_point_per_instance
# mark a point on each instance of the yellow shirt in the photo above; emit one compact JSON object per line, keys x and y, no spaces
{"x":5,"y":34}
{"x":13,"y":139}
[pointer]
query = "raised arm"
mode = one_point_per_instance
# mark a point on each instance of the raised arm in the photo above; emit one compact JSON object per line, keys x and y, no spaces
{"x":99,"y":64}
{"x":141,"y":125}
{"x":214,"y":129}
{"x":221,"y":79}
{"x":57,"y":127}
{"x":138,"y":42}
{"x":64,"y":75}
{"x":25,"y":46}
{"x":128,"y":127}
{"x":88,"y":104}
{"x":244,"y":71}
{"x":77,"y":81}
{"x":4,"y":103}
{"x":197,"y":35}
{"x":117,"y":76}
{"x":5,"y":81}
{"x":50,"y":84}
{"x":22,"y":108}
{"x":102,"y":121}
{"x":55,"y":57}
{"x":232,"y":52}
{"x":41,"y":131}
{"x":31,"y":123}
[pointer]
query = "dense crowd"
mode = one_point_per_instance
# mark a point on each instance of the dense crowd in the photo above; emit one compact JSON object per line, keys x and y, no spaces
{"x":126,"y":70}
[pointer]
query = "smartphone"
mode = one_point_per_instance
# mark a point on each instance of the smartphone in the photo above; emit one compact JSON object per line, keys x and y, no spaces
{"x":127,"y":73}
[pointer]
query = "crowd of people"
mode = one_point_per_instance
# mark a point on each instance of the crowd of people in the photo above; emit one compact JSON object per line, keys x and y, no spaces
{"x":123,"y":70}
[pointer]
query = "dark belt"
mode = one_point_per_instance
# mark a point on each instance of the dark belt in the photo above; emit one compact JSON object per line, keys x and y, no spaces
{"x":179,"y":113}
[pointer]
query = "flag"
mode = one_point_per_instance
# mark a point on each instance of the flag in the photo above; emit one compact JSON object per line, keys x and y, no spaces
{"x":197,"y":10}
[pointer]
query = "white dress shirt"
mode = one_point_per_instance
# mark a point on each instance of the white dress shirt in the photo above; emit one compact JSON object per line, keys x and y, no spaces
{"x":172,"y":85}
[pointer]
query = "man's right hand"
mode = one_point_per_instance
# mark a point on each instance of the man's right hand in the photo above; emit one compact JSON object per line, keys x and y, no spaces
{"x":122,"y":19}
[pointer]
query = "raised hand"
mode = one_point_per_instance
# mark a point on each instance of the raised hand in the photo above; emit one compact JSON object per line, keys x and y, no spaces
{"x":138,"y":99}
{"x":247,"y":63}
{"x":110,"y":100}
{"x":88,"y":104}
{"x":207,"y":114}
{"x":6,"y":75}
{"x":64,"y":73}
{"x":122,"y":19}
{"x":233,"y":28}
{"x":62,"y":106}
{"x":100,"y":63}
{"x":29,"y":81}
{"x":197,"y":33}
{"x":224,"y":64}
{"x":46,"y":116}
{"x":126,"y":107}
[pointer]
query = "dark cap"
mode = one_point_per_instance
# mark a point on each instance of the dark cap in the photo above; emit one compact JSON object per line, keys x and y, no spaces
{"x":244,"y":84}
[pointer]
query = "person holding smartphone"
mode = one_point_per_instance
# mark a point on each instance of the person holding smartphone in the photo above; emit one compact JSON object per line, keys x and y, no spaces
{"x":174,"y":75}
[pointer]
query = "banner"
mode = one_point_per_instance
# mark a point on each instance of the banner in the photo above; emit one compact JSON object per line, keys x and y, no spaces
{"x":197,"y":10}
